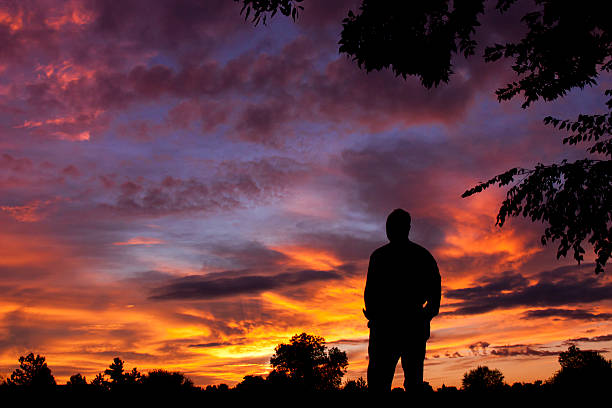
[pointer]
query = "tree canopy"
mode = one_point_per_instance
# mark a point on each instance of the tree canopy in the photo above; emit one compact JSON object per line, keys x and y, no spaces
{"x":77,"y":380}
{"x":167,"y":381}
{"x":118,"y":377}
{"x":32,"y":372}
{"x":482,"y":379}
{"x":308,"y":364}
{"x":567,"y":45}
{"x":582,"y":369}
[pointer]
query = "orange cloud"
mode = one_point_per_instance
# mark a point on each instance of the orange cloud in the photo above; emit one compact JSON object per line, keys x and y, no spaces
{"x":309,"y":257}
{"x":31,"y":212}
{"x":74,"y":137}
{"x":64,"y":72}
{"x":13,"y":21}
{"x":140,"y":241}
{"x":472,"y":232}
{"x":72,"y":13}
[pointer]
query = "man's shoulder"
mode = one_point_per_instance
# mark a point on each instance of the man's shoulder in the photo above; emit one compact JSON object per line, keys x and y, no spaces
{"x":420,"y":253}
{"x":380,"y":251}
{"x":414,"y":250}
{"x":419,"y":249}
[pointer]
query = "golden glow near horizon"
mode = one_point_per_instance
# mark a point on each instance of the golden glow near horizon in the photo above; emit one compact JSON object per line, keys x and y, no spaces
{"x":137,"y":332}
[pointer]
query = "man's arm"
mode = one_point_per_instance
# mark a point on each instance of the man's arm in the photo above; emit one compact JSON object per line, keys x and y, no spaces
{"x":434,"y":294}
{"x":368,"y":293}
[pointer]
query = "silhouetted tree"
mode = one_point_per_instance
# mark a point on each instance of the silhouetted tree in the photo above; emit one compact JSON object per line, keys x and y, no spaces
{"x":279,"y":380}
{"x":262,"y":10}
{"x":333,"y":369}
{"x":306,"y":361}
{"x":582,"y":370}
{"x":115,"y":371}
{"x":119,"y":378}
{"x":166,"y":381}
{"x":526,"y":387}
{"x":32,"y":372}
{"x":133,"y":377}
{"x":252,"y":383}
{"x":567,"y":45}
{"x":100,"y":383}
{"x":77,"y":382}
{"x":217,"y":388}
{"x":445,"y":389}
{"x":358,"y":385}
{"x":482,"y":379}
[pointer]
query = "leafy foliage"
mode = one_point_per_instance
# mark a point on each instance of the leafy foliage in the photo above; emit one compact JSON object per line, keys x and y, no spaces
{"x":308,"y":364}
{"x":482,"y":379}
{"x":32,"y":372}
{"x":566,"y":44}
{"x":411,"y":37}
{"x":588,"y":128}
{"x":358,"y":385}
{"x":263,"y":10}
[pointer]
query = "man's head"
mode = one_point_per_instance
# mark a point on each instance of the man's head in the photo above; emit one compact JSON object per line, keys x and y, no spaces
{"x":398,"y":225}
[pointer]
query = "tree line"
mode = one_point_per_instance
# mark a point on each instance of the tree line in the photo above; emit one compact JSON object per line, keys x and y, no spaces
{"x":305,"y":364}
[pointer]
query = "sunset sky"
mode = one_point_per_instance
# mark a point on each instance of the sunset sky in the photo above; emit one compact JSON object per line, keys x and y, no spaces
{"x":184,"y":190}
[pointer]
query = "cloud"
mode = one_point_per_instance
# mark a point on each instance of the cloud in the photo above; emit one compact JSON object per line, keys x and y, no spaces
{"x":212,"y":344}
{"x":8,"y":162}
{"x":140,"y":241}
{"x":483,"y":348}
{"x":506,"y":281}
{"x":246,"y":255}
{"x":348,"y":246}
{"x":596,"y":339}
{"x":288,"y":86}
{"x":232,"y":185}
{"x":31,"y":212}
{"x":571,"y":314}
{"x":561,"y":286}
{"x":520,"y":350}
{"x":479,"y":348}
{"x":204,"y":288}
{"x":350,"y":342}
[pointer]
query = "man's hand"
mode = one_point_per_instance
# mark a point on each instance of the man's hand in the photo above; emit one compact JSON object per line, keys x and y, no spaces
{"x":426,"y":329}
{"x":427,"y":314}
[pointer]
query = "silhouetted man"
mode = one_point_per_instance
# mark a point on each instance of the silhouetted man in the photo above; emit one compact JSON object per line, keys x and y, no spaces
{"x":402,"y":295}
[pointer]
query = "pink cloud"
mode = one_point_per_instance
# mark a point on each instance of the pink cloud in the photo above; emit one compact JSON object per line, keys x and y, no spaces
{"x":31,"y":212}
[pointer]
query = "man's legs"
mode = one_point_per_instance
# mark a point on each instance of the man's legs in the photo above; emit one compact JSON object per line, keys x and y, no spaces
{"x":382,"y":362}
{"x":412,"y":363}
